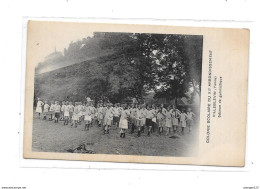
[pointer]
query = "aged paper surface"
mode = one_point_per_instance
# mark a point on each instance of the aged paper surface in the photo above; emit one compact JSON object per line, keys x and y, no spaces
{"x":221,"y":125}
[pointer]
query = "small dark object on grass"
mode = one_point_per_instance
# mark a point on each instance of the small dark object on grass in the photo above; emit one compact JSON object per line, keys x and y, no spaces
{"x":174,"y":137}
{"x":81,"y":149}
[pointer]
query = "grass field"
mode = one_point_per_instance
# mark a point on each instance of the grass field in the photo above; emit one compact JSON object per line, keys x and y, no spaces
{"x":54,"y":137}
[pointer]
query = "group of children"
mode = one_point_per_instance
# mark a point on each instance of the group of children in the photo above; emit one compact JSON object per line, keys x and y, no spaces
{"x":123,"y":116}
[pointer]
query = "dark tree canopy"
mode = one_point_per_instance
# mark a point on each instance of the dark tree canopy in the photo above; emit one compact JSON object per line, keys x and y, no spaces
{"x":132,"y":65}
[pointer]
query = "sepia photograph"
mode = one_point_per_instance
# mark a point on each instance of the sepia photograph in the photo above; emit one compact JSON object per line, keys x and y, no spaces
{"x":119,"y":93}
{"x":132,"y":93}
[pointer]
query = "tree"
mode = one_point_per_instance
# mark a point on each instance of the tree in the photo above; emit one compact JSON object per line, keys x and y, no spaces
{"x":193,"y":51}
{"x":132,"y":65}
{"x":179,"y":66}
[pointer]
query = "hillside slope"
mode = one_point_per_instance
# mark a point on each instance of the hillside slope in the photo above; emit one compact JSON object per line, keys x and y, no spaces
{"x":71,"y":82}
{"x":101,"y":44}
{"x":125,"y":66}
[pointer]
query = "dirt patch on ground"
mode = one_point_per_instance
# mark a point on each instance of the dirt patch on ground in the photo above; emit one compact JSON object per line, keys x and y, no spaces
{"x":55,"y":137}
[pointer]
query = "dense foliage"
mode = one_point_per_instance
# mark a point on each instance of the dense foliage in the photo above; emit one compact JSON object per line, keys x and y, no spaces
{"x":129,"y":65}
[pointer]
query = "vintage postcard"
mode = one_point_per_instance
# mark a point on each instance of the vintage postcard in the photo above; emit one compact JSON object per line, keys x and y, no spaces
{"x":136,"y":93}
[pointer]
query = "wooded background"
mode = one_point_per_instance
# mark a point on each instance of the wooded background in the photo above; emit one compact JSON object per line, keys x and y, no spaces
{"x":120,"y":66}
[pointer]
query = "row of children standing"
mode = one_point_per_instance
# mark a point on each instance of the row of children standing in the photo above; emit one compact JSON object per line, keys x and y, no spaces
{"x":121,"y":115}
{"x":67,"y":112}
